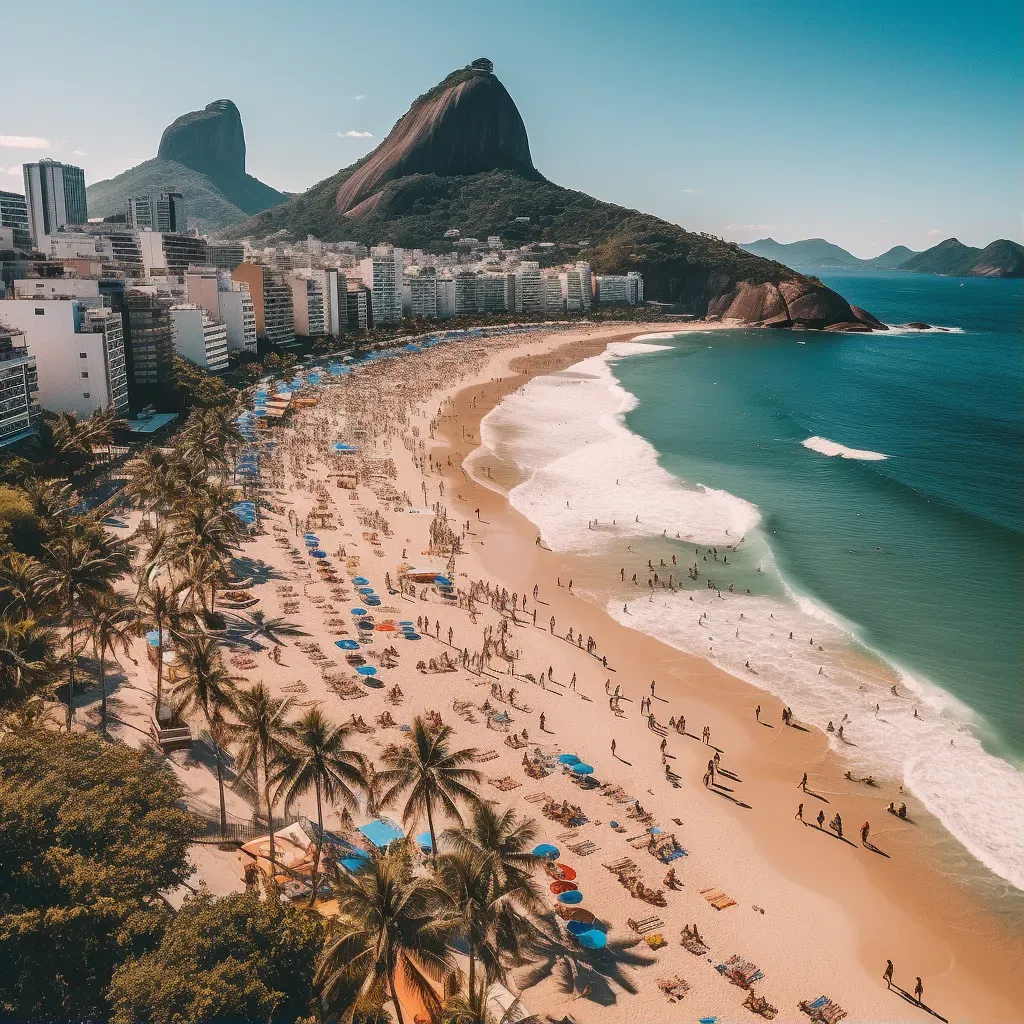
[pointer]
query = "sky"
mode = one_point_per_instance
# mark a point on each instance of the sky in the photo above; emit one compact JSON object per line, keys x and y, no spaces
{"x":869,"y":124}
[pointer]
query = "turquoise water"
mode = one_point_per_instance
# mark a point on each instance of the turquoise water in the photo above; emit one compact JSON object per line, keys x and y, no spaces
{"x":921,"y":552}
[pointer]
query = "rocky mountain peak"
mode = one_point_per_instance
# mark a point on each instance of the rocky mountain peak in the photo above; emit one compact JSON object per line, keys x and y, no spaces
{"x":210,"y":140}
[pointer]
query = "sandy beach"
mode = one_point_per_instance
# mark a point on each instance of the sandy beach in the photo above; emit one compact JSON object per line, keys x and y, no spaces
{"x":817,"y":914}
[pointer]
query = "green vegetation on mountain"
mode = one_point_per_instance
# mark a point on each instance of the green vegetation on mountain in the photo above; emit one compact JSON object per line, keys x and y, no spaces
{"x":811,"y":252}
{"x":952,"y":258}
{"x":202,"y":156}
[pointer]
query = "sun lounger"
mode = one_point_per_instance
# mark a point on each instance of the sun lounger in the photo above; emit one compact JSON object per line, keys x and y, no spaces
{"x":740,"y":972}
{"x":822,"y":1010}
{"x":692,"y":942}
{"x":760,"y":1006}
{"x":645,"y":924}
{"x":674,"y":988}
{"x":717,"y":898}
{"x":585,"y":849}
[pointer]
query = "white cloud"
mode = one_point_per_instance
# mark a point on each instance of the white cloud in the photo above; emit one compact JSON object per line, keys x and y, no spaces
{"x":354,"y":135}
{"x":24,"y":142}
{"x":691,"y":191}
{"x":933,"y":233}
{"x":359,"y":96}
{"x":78,"y":152}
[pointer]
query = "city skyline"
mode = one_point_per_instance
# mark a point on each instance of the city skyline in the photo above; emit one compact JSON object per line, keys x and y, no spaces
{"x":855,"y":130}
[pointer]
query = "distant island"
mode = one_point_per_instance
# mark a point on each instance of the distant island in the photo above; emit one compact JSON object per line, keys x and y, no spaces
{"x":951,"y":258}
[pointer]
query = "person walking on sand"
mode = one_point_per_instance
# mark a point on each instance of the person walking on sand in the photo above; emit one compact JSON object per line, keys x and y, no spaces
{"x":652,"y":687}
{"x":613,"y":748}
{"x":572,"y":682}
{"x":799,"y":816}
{"x":864,"y":830}
{"x":918,"y":991}
{"x":887,"y":976}
{"x":803,"y":783}
{"x":542,"y":729}
{"x":551,"y":624}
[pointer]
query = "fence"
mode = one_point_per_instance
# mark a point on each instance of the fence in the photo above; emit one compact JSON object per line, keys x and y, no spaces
{"x":237,"y":831}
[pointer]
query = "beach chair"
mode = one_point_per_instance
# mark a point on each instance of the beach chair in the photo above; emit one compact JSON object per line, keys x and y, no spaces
{"x":692,"y":942}
{"x":822,"y":1010}
{"x":674,"y":988}
{"x":760,"y":1006}
{"x":718,"y":899}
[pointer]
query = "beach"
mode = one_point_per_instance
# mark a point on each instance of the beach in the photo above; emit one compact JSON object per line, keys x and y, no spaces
{"x":816,"y":913}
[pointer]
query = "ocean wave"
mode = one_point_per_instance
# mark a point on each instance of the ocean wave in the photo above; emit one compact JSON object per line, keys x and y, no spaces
{"x":565,"y":431}
{"x":931,"y":329}
{"x":823,"y":446}
{"x":567,"y":434}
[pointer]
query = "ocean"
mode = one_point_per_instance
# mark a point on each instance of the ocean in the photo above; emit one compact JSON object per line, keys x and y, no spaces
{"x":844,"y":512}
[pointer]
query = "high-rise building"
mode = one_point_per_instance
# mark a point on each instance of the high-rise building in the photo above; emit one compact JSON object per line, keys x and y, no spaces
{"x":553,"y":301}
{"x":19,"y":383}
{"x":225,"y":255}
{"x":586,"y":284}
{"x":55,"y":196}
{"x":149,"y":335}
{"x":308,"y":302}
{"x":529,"y":289}
{"x":335,"y":301}
{"x":272,"y":302}
{"x":14,"y":215}
{"x":386,"y":284}
{"x":78,"y":346}
{"x":359,"y":302}
{"x":227,"y":301}
{"x":620,"y":289}
{"x":422,"y":291}
{"x":168,"y":254}
{"x":158,"y":211}
{"x":199,"y":338}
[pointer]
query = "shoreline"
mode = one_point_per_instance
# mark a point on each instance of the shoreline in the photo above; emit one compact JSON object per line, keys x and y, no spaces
{"x":945,"y":924}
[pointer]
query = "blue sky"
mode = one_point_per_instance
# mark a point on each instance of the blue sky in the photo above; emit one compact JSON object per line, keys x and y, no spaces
{"x":870,"y":124}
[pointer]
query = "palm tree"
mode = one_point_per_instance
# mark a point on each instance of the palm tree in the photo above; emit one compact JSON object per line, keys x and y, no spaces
{"x":485,"y":912}
{"x":318,"y":759}
{"x":113,"y":623}
{"x":52,"y":501}
{"x":205,"y":524}
{"x":262,"y":733}
{"x":503,"y":841}
{"x":257,"y":624}
{"x":19,"y":576}
{"x":210,"y":689}
{"x":431,"y":772}
{"x":209,"y":437}
{"x":27,"y":657}
{"x":159,"y":607}
{"x":79,"y":565}
{"x":387,"y":925}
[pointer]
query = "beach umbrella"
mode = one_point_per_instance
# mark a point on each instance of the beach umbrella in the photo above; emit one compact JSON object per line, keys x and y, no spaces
{"x":365,"y":590}
{"x":411,"y":636}
{"x":373,"y":602}
{"x":577,"y":928}
{"x":386,"y":627}
{"x":406,"y":622}
{"x":572,"y":897}
{"x":559,"y":887}
{"x":593,"y":939}
{"x":347,"y":645}
{"x":423,"y":841}
{"x":361,"y":581}
{"x":568,"y":759}
{"x":583,"y":769}
{"x":579,"y":914}
{"x":318,"y":554}
{"x":308,"y":535}
{"x":442,"y":581}
{"x":547,"y":851}
{"x":568,"y":873}
{"x":358,"y":611}
{"x":366,"y":670}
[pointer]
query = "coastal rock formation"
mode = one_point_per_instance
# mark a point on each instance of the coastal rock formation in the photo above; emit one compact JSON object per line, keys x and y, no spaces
{"x":460,"y":158}
{"x":465,"y":125}
{"x":210,"y":140}
{"x":202,"y":156}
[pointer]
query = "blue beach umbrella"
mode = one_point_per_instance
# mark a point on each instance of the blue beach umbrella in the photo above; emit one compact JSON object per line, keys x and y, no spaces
{"x":347,"y":645}
{"x":318,"y":554}
{"x":547,"y":851}
{"x":358,"y":611}
{"x":411,"y":636}
{"x":568,"y":759}
{"x":592,"y":939}
{"x":577,"y":928}
{"x":406,"y":622}
{"x":373,"y":602}
{"x":583,"y":769}
{"x":572,"y":897}
{"x":361,"y":581}
{"x":366,"y":670}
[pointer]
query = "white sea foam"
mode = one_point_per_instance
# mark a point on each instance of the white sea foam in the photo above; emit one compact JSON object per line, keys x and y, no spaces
{"x":823,"y":446}
{"x":583,"y":464}
{"x":904,"y":329}
{"x":567,"y":434}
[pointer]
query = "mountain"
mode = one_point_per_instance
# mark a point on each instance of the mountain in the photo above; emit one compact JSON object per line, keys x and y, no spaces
{"x":891,"y":259}
{"x":952,"y":258}
{"x":202,"y":156}
{"x":811,"y":252}
{"x":460,"y":158}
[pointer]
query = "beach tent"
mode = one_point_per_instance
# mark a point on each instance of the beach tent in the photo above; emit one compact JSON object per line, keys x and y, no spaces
{"x":381,"y":832}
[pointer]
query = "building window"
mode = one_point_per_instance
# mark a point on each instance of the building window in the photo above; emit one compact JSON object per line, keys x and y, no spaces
{"x":85,"y":394}
{"x":83,"y":355}
{"x":85,"y":374}
{"x":40,"y":312}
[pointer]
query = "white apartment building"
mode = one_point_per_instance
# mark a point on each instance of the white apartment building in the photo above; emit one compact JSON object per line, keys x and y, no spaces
{"x":199,"y":338}
{"x":586,"y":284}
{"x":14,"y":215}
{"x":445,"y":297}
{"x":159,"y":211}
{"x":19,"y":407}
{"x":382,"y":272}
{"x":166,"y":254}
{"x":553,"y":301}
{"x":227,"y":301}
{"x":572,"y":290}
{"x":55,"y":197}
{"x":78,"y":346}
{"x":419,"y":293}
{"x":530,"y":297}
{"x":308,"y":303}
{"x":620,"y":289}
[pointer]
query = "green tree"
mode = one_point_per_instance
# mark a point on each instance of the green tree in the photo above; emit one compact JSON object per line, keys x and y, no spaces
{"x":90,"y":834}
{"x":387,"y":926}
{"x":112,"y":624}
{"x":209,"y":688}
{"x":318,"y":759}
{"x":79,"y":565}
{"x":28,"y":659}
{"x":262,"y":733}
{"x":237,"y":958}
{"x":19,"y":591}
{"x":20,"y":528}
{"x":430,"y":773}
{"x":159,"y":607}
{"x":501,"y":840}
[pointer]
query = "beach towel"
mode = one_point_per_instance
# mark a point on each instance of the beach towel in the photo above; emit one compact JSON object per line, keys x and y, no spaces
{"x":717,"y":898}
